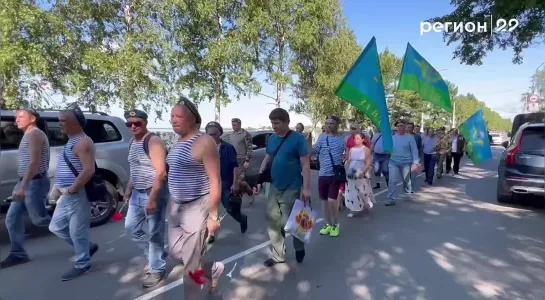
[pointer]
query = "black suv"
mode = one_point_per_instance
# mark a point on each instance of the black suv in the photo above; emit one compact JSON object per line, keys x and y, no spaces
{"x":521,"y":171}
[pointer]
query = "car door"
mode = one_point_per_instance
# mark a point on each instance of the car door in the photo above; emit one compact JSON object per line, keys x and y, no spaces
{"x":530,"y":158}
{"x":10,"y":137}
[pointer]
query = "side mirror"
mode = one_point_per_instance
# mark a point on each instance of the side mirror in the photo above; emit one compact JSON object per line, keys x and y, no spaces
{"x":505,"y":144}
{"x":254,"y":146}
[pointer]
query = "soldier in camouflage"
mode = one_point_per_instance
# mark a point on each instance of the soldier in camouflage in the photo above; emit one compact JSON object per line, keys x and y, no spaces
{"x":443,"y":148}
{"x":242,"y":141}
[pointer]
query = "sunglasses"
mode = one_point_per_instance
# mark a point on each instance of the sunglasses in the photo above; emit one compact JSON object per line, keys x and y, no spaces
{"x":136,"y":124}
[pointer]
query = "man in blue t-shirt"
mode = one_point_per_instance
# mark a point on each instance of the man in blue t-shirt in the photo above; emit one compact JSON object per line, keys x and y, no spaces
{"x":289,"y":160}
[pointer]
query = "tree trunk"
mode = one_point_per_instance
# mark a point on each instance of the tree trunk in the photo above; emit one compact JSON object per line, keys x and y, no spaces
{"x":280,"y":84}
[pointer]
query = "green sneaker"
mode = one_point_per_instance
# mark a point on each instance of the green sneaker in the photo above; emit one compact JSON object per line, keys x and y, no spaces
{"x":334,"y":231}
{"x":326,"y":229}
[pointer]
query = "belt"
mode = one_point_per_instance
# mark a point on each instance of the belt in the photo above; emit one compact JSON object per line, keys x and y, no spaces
{"x":144,"y":191}
{"x":37,"y":176}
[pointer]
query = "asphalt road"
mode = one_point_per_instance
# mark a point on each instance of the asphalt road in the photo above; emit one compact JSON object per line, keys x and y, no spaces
{"x":453,"y":241}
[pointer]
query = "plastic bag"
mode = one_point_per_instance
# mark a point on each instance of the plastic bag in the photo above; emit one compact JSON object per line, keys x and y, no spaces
{"x":301,"y":221}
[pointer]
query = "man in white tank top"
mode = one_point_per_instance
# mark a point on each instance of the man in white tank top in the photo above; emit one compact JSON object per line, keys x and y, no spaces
{"x":30,"y":194}
{"x":147,"y":195}
{"x":72,"y":217}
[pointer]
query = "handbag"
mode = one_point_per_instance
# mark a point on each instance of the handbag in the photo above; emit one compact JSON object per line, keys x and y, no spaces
{"x":95,"y":188}
{"x":339,"y":172}
{"x":266,"y":175}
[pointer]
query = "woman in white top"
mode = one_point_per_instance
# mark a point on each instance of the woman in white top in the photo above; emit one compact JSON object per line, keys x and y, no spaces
{"x":359,"y":194}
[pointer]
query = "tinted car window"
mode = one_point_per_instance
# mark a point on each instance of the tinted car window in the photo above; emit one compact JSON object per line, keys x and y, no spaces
{"x":260,"y":140}
{"x":10,"y":135}
{"x":99,"y":131}
{"x":533,"y":139}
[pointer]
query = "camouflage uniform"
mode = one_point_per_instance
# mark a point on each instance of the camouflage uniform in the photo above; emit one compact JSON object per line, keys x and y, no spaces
{"x":443,"y":149}
{"x":242,"y":141}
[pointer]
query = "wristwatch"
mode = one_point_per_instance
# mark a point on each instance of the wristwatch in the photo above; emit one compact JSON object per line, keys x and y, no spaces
{"x":215,"y":219}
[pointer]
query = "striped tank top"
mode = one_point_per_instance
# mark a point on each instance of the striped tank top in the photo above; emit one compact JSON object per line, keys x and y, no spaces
{"x":187,"y":179}
{"x":64,"y":176}
{"x":24,"y":155}
{"x":141,"y":168}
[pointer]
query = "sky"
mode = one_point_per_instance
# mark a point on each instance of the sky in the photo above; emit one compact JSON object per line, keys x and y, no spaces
{"x":497,"y":82}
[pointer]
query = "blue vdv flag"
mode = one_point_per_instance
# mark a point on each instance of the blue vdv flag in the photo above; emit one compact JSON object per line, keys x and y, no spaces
{"x":476,"y":135}
{"x":362,"y":87}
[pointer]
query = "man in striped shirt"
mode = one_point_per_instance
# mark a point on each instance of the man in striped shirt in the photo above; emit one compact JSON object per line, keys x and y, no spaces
{"x":31,"y":192}
{"x":330,"y":149}
{"x":72,"y":217}
{"x":147,"y":195}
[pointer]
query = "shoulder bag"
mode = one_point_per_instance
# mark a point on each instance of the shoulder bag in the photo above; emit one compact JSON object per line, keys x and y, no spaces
{"x":266,"y":175}
{"x":339,"y":171}
{"x":95,"y":188}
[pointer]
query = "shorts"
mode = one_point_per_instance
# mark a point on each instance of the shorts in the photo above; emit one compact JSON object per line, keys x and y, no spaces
{"x":328,"y":187}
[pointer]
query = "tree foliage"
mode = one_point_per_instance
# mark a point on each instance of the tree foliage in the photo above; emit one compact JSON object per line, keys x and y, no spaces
{"x":145,"y":53}
{"x":475,"y":45}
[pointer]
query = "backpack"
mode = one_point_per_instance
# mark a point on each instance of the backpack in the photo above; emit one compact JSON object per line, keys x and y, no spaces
{"x":146,"y":143}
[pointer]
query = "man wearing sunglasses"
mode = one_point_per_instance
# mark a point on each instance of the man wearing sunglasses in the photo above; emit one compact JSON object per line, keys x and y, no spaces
{"x":147,"y":195}
{"x":242,"y":141}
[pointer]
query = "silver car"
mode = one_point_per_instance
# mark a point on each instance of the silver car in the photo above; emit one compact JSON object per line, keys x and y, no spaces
{"x":111,"y":138}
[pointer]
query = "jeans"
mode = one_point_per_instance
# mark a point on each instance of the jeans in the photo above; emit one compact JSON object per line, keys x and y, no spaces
{"x":380,"y":165}
{"x":71,"y":221}
{"x":151,"y":242}
{"x":34,"y":203}
{"x":233,"y":209}
{"x":399,"y":172}
{"x":429,"y":166}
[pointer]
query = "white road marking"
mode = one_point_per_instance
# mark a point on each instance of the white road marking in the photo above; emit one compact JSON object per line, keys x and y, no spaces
{"x":179,"y":282}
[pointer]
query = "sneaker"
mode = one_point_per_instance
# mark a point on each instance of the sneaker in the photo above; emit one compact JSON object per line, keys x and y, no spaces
{"x":326,"y":229}
{"x":75,"y":273}
{"x":390,"y":203}
{"x":271,"y":262}
{"x":350,"y":215}
{"x":153,"y":279}
{"x":299,"y":255}
{"x":217,"y":270}
{"x":12,"y":261}
{"x":334,"y":232}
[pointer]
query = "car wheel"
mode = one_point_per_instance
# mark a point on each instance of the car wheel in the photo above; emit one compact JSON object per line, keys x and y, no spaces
{"x":102,"y":211}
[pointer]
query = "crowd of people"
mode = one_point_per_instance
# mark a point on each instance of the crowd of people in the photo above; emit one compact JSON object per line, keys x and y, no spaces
{"x":202,"y":170}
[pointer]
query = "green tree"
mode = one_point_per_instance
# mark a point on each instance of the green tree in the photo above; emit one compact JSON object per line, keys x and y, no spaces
{"x":217,"y":51}
{"x":31,"y":65}
{"x":475,"y":45}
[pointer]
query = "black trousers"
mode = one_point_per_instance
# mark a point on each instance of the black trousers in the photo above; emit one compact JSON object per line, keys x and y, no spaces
{"x":453,"y":161}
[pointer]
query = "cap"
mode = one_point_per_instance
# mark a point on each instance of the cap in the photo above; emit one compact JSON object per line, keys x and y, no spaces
{"x":236,"y":120}
{"x":137,"y":114}
{"x":214,"y":124}
{"x":31,"y":111}
{"x":192,"y":108}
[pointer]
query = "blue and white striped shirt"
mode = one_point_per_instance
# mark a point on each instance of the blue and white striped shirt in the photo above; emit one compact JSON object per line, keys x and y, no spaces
{"x":336,"y":146}
{"x":142,"y":171}
{"x":187,"y":178}
{"x":64,"y":176}
{"x":24,"y":155}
